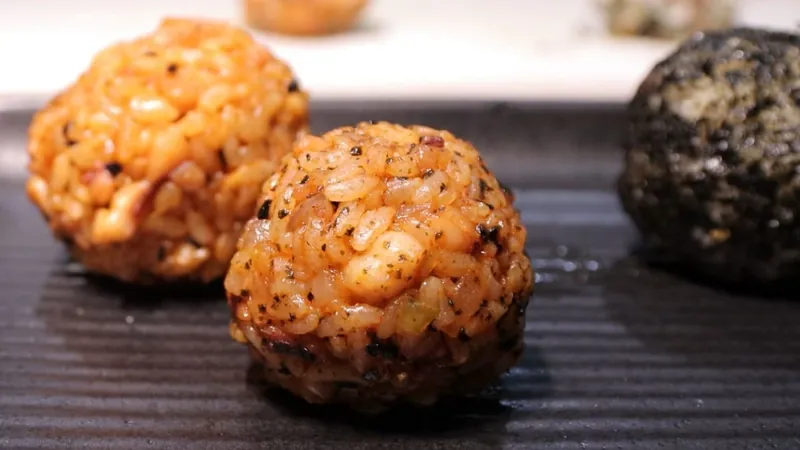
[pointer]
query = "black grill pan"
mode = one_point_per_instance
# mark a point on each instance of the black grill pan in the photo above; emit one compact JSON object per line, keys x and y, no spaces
{"x":619,"y":355}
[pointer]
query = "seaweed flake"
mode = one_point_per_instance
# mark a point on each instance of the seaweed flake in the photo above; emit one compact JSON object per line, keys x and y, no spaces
{"x":297,"y":350}
{"x":381,"y":347}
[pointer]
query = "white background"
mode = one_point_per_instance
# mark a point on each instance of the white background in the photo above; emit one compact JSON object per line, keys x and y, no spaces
{"x":482,"y":49}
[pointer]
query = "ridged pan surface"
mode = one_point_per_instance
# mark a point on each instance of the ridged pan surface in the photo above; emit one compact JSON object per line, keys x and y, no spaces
{"x":619,"y":355}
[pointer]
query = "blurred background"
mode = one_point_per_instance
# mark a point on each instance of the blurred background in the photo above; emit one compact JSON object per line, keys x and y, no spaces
{"x":398,"y":49}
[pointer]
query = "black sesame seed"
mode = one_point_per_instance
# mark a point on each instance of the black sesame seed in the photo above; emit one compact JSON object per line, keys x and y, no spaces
{"x":263,"y":211}
{"x":462,"y":335}
{"x":355,"y":151}
{"x":442,"y":187}
{"x":349,"y":231}
{"x":282,"y":213}
{"x":488,"y":235}
{"x":223,"y":162}
{"x":324,"y":247}
{"x":262,"y":309}
{"x":310,"y":297}
{"x":303,"y":181}
{"x":65,"y":133}
{"x":244,"y":293}
{"x":438,"y":235}
{"x":114,"y":168}
{"x":192,"y":241}
{"x":247,"y":265}
{"x":172,"y":68}
{"x":294,"y":86}
{"x":484,"y":187}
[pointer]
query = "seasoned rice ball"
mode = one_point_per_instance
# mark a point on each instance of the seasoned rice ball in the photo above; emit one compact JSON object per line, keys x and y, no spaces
{"x":150,"y":163}
{"x":385,"y":264}
{"x":303,"y":17}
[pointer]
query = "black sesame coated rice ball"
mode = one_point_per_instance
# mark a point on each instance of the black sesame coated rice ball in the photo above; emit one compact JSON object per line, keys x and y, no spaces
{"x":150,"y":163}
{"x":385,"y":263}
{"x":712,"y":165}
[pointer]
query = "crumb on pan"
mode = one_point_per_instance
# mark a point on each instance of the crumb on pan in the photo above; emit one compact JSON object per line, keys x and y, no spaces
{"x":385,"y":263}
{"x":150,"y":163}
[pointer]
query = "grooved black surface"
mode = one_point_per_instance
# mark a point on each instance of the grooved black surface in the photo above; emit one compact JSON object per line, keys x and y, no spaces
{"x":619,"y":355}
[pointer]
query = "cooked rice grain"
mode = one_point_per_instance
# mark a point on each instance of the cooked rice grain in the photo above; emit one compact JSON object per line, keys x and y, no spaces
{"x":386,"y":263}
{"x":150,"y":163}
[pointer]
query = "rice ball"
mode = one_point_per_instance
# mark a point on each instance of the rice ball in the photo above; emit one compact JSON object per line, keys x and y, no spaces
{"x":385,"y":264}
{"x":711,"y":157}
{"x":150,"y":163}
{"x":304,"y":17}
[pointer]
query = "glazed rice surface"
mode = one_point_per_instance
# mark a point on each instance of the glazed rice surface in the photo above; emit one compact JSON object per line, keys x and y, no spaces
{"x":150,"y":163}
{"x":384,"y":263}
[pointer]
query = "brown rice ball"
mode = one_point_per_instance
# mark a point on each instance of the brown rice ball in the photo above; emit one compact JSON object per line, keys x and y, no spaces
{"x":149,"y":164}
{"x":385,"y":263}
{"x":303,"y":17}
